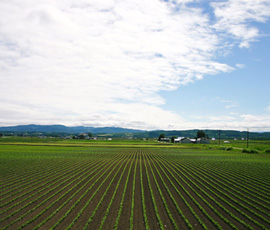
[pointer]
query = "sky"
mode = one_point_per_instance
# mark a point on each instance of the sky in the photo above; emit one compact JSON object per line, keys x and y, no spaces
{"x":140,"y":64}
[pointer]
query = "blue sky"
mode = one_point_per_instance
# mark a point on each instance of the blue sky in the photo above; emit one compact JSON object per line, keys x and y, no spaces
{"x":182,"y":64}
{"x":244,"y":91}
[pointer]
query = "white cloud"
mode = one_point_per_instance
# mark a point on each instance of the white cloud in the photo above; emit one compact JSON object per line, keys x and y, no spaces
{"x":235,"y":17}
{"x":268,"y":108}
{"x":103,"y":63}
{"x":241,"y":122}
{"x":240,"y":66}
{"x":229,"y":103}
{"x":230,"y":106}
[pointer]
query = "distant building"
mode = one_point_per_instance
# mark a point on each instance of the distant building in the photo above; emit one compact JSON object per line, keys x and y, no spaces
{"x":184,"y":140}
{"x":179,"y":139}
{"x":84,"y":136}
{"x":203,"y":140}
{"x":165,"y":139}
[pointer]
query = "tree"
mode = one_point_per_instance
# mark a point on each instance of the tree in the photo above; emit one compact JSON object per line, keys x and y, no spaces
{"x":81,"y":136}
{"x":1,"y":135}
{"x":161,"y":136}
{"x":90,"y":135}
{"x":201,"y":134}
{"x":172,"y":139}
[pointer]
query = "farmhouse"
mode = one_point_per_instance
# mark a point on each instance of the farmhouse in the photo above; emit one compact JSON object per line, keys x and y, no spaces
{"x":203,"y":140}
{"x":165,"y":139}
{"x":184,"y":140}
{"x":84,"y":136}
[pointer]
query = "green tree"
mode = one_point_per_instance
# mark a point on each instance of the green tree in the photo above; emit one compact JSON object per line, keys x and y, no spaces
{"x":90,"y":135}
{"x":201,"y":134}
{"x":161,"y":136}
{"x":81,"y":136}
{"x":172,"y":139}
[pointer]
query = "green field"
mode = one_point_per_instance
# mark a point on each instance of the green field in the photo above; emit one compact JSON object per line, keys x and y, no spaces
{"x":135,"y":184}
{"x":259,"y":145}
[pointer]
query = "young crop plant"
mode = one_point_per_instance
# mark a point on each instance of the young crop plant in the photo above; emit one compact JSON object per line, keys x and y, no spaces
{"x":181,"y":196}
{"x":33,"y":180}
{"x":28,"y":178}
{"x":216,"y":202}
{"x":117,"y":186}
{"x":102,"y":198}
{"x":113,"y":196}
{"x":143,"y":198}
{"x":123,"y":195}
{"x":44,"y":201}
{"x":70,"y":198}
{"x":173,"y":199}
{"x":107,"y":168}
{"x":220,"y":197}
{"x":188,"y":193}
{"x":50,"y":197}
{"x":133,"y":195}
{"x":248,"y":186}
{"x":49,"y":183}
{"x":152,"y":196}
{"x":96,"y":191}
{"x":162,"y":197}
{"x":229,"y":189}
{"x":233,"y":206}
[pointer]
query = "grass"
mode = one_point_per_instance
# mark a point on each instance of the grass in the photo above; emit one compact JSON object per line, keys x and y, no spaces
{"x":262,"y":146}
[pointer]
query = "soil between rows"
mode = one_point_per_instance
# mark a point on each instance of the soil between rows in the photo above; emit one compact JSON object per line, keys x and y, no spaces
{"x":39,"y":190}
{"x":187,"y":181}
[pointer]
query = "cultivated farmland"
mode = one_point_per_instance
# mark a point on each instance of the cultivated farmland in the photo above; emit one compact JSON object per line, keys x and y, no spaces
{"x":56,"y":187}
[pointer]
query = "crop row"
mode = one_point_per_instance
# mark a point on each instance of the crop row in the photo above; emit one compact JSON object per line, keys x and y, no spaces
{"x":136,"y":188}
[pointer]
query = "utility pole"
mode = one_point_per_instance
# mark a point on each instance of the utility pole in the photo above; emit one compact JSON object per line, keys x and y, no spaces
{"x":219,"y":137}
{"x":247,"y":138}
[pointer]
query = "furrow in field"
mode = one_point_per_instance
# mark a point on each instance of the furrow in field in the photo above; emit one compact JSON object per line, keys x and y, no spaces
{"x":138,"y":218}
{"x":123,"y":213}
{"x":44,"y":216}
{"x":70,"y":216}
{"x":21,"y":209}
{"x":37,"y":188}
{"x":228,"y":207}
{"x":258,"y":186}
{"x":34,"y":178}
{"x":154,"y":197}
{"x":229,"y":188}
{"x":85,"y":218}
{"x":146,"y":213}
{"x":111,"y":209}
{"x":200,"y":208}
{"x":212,"y":212}
{"x":50,"y":196}
{"x":162,"y":204}
{"x":249,"y":213}
{"x":233,"y":184}
{"x":66,"y":210}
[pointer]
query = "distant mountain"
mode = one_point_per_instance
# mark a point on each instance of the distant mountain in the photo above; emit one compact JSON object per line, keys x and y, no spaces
{"x":122,"y":132}
{"x":224,"y":134}
{"x":65,"y":129}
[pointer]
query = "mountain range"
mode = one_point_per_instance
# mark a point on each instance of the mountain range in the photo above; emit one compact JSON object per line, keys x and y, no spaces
{"x":65,"y":129}
{"x":117,"y":132}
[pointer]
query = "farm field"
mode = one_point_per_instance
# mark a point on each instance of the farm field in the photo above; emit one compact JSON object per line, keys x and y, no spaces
{"x":142,"y":187}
